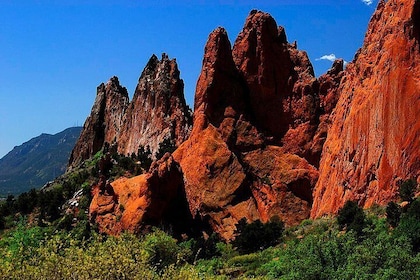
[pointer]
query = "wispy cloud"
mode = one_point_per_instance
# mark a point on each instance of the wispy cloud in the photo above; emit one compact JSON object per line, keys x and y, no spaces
{"x":330,"y":57}
{"x":367,"y":2}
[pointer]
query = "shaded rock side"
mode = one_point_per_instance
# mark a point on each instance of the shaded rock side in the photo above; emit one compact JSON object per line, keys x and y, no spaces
{"x":104,"y":123}
{"x":374,"y":139}
{"x":134,"y":204}
{"x":281,"y":86}
{"x":158,"y":110}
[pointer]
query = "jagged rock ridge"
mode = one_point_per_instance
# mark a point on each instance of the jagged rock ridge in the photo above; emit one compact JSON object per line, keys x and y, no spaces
{"x":261,"y":119}
{"x":242,"y":160}
{"x":157,"y":112}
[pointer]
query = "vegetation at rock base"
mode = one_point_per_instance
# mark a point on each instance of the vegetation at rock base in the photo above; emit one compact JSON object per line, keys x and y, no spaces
{"x":319,"y":249}
{"x":167,"y":146}
{"x":407,"y":190}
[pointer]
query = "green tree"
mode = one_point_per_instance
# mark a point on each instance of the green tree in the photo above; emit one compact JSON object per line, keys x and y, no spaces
{"x":407,"y":190}
{"x":145,"y":157}
{"x":409,"y":225}
{"x":166,"y":146}
{"x":256,"y":235}
{"x":351,"y":217}
{"x":393,"y":214}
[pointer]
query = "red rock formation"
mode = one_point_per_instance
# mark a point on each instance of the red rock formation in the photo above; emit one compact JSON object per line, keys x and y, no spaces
{"x":135,"y":203}
{"x":104,"y":123}
{"x":229,"y":171}
{"x":374,"y":139}
{"x":158,"y":110}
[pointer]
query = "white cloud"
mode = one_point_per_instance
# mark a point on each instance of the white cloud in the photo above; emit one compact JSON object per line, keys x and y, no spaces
{"x":330,"y":57}
{"x":367,"y":2}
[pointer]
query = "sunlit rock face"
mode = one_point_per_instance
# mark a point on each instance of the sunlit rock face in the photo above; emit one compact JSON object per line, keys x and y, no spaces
{"x":268,"y":138}
{"x":374,"y":139}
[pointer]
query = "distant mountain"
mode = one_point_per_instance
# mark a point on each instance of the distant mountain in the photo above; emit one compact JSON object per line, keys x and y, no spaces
{"x":37,"y":161}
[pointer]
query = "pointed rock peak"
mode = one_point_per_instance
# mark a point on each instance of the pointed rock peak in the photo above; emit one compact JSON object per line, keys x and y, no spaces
{"x":264,"y":22}
{"x":218,"y":47}
{"x":217,"y":70}
{"x":282,"y":35}
{"x":150,"y":66}
{"x":113,"y":86}
{"x":337,"y":67}
{"x":158,"y":110}
{"x":114,"y":80}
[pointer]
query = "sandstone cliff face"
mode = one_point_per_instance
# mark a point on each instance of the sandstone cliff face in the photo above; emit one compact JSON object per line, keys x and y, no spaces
{"x":133,"y":204}
{"x":243,"y":158}
{"x":104,"y":123}
{"x":374,"y":139}
{"x":261,"y":119}
{"x":157,"y":112}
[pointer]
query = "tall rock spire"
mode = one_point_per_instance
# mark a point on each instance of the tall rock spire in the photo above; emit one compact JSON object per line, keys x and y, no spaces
{"x":158,"y":110}
{"x":104,"y":123}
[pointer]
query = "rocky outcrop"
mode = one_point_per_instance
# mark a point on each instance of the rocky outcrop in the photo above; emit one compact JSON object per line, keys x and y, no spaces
{"x":104,"y":123}
{"x":374,"y":139}
{"x":261,"y":118}
{"x":249,"y":101}
{"x":133,"y":204}
{"x":157,"y":112}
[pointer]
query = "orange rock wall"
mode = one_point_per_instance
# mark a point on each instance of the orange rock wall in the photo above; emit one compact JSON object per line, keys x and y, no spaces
{"x":374,"y":139}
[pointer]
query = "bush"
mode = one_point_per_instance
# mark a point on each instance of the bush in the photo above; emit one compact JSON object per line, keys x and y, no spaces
{"x":393,"y":214}
{"x":409,"y":225}
{"x":256,"y":235}
{"x":351,"y":217}
{"x":161,"y":249}
{"x":407,"y":190}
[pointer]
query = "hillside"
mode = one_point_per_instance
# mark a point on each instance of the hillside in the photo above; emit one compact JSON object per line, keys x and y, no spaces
{"x":37,"y":161}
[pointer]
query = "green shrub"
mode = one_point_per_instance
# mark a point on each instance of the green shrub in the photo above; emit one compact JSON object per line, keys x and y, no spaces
{"x":407,"y":190}
{"x":393,"y":214}
{"x":161,"y":249}
{"x":256,"y":235}
{"x":351,"y":217}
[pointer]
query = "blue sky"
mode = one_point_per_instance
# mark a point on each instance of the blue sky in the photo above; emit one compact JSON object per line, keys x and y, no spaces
{"x":53,"y":54}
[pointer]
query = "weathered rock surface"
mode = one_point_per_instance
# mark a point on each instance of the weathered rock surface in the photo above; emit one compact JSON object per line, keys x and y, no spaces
{"x":247,"y":98}
{"x":157,"y":112}
{"x":104,"y":123}
{"x":261,"y":119}
{"x":133,"y":204}
{"x":374,"y":139}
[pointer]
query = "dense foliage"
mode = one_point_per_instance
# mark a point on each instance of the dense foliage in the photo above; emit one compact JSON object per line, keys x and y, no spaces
{"x":39,"y":240}
{"x":256,"y":235}
{"x":320,"y":249}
